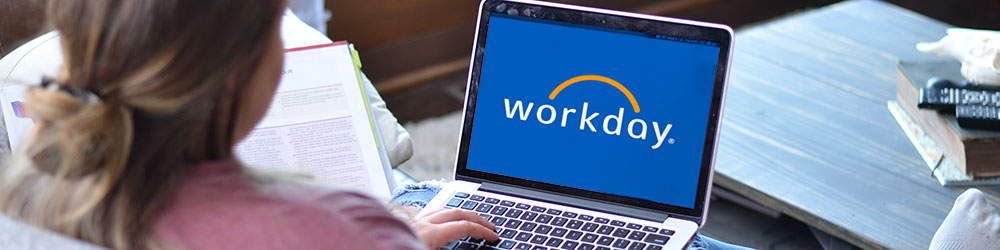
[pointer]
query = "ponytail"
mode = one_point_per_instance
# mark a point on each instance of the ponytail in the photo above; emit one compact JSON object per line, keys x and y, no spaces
{"x":78,"y":135}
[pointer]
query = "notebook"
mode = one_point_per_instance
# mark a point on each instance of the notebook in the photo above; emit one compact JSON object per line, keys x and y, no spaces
{"x":587,"y":128}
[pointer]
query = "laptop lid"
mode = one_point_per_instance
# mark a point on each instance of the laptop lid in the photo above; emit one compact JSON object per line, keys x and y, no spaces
{"x":600,"y":105}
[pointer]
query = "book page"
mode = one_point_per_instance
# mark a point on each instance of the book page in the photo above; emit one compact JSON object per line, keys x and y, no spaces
{"x":16,"y":119}
{"x":318,"y":123}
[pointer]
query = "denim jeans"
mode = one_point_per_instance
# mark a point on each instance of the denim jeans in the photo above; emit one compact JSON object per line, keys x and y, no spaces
{"x":420,"y":194}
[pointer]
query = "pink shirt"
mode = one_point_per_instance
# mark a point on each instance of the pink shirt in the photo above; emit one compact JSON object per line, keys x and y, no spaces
{"x":219,"y":206}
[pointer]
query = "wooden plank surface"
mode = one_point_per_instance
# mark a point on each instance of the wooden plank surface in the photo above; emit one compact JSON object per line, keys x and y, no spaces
{"x":806,"y":129}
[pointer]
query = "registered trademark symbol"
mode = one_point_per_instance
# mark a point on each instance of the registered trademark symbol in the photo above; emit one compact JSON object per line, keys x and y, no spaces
{"x":670,"y":141}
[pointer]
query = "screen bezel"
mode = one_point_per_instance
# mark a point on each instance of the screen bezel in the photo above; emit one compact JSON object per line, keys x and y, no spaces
{"x":619,"y":21}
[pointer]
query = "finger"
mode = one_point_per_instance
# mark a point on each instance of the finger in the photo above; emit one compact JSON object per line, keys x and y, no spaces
{"x":428,"y":214}
{"x":457,"y":229}
{"x":458,"y":215}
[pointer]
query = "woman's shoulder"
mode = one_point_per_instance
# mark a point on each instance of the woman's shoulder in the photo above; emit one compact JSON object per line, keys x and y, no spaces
{"x":222,"y":206}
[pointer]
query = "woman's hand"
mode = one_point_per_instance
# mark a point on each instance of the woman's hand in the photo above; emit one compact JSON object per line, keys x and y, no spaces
{"x":438,"y":228}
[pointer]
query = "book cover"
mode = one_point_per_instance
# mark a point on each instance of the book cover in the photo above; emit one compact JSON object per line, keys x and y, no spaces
{"x":941,"y":167}
{"x":972,"y":150}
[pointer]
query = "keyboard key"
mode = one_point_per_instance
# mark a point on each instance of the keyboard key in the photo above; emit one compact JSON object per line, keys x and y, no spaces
{"x":539,"y":248}
{"x":605,"y":230}
{"x":486,"y":216}
{"x":618,"y":223}
{"x":637,"y":246}
{"x":450,"y":246}
{"x":486,"y":247}
{"x":559,"y":221}
{"x":601,"y":220}
{"x":529,"y":216}
{"x":523,"y":236}
{"x":484,"y":208}
{"x":574,"y":224}
{"x":570,"y":245}
{"x":589,"y":227}
{"x":508,"y":233}
{"x":539,"y":239}
{"x":656,"y":239}
{"x":589,"y":238}
{"x":477,"y":198}
{"x":621,"y":243}
{"x":512,"y":223}
{"x":543,"y":229}
{"x":544,"y":218}
{"x":559,"y":232}
{"x":461,"y":195}
{"x":621,"y":233}
{"x":666,"y":232}
{"x":603,"y":248}
{"x":491,"y":243}
{"x":554,"y":242}
{"x":574,"y":235}
{"x":636,"y":235}
{"x":650,"y":229}
{"x":569,"y":214}
{"x":454,"y":202}
{"x":524,"y":246}
{"x":528,"y":226}
{"x":498,"y":220}
{"x":466,"y":246}
{"x":585,"y":246}
{"x":498,"y":210}
{"x":522,"y":206}
{"x":469,"y":205}
{"x":538,"y":209}
{"x":492,"y":200}
{"x":605,"y":240}
{"x":634,"y":226}
{"x":553,"y":212}
{"x":654,"y":247}
{"x":514,"y":213}
{"x":507,"y":244}
{"x":585,"y":217}
{"x":507,"y":203}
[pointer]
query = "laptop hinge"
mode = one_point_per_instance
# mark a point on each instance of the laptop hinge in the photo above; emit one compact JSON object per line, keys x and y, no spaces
{"x":574,"y":201}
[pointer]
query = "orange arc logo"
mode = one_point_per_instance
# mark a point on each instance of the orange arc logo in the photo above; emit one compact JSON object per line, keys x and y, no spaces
{"x":571,"y":81}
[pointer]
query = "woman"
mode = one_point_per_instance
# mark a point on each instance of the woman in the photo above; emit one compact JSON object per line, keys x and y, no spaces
{"x":133,"y":144}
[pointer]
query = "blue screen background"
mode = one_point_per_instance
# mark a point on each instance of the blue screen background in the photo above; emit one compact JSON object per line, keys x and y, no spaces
{"x":525,"y":60}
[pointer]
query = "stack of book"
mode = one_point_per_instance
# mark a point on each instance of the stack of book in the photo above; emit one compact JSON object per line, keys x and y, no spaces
{"x":955,"y":156}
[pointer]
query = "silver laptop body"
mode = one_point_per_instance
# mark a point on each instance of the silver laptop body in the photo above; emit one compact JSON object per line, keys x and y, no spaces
{"x":638,"y":174}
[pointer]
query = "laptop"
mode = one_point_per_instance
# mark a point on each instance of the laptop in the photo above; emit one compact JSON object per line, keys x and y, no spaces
{"x":587,"y":128}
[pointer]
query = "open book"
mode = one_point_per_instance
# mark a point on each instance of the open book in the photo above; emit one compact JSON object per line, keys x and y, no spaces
{"x":319,"y":123}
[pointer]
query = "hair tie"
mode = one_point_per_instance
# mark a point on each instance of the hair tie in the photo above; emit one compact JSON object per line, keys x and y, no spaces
{"x":83,"y":94}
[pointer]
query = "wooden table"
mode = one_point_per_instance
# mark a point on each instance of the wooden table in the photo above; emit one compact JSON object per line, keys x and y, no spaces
{"x":806,"y":130}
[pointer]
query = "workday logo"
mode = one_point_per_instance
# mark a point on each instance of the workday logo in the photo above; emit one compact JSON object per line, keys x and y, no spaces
{"x":612,"y":124}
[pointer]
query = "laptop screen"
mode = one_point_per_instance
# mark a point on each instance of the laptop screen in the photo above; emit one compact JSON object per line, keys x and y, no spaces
{"x":609,"y":111}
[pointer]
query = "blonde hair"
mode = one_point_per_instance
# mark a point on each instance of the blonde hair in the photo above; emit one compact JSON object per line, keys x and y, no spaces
{"x":148,"y":87}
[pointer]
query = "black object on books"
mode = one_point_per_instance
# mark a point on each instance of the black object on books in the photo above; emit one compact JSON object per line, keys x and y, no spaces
{"x":974,"y":105}
{"x":974,"y":151}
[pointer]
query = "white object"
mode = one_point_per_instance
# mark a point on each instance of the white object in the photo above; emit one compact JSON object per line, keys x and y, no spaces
{"x":311,"y":12}
{"x":978,"y":50}
{"x":972,"y":224}
{"x":43,"y":57}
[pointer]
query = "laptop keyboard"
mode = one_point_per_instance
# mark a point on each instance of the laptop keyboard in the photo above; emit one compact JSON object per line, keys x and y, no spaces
{"x":535,"y":227}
